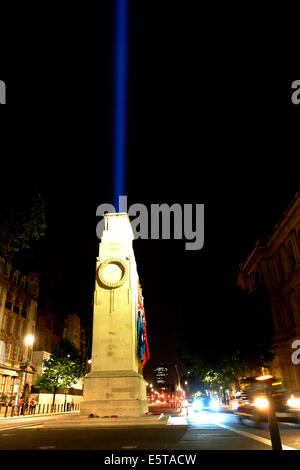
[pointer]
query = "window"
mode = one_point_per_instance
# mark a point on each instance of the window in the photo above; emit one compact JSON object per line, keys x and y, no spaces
{"x":8,"y":305}
{"x":12,"y":325}
{"x":279,"y":265}
{"x":3,"y":377}
{"x":7,"y":323}
{"x":291,"y":255}
{"x":17,"y":328}
{"x":16,"y":309}
{"x":290,"y":314}
{"x":22,"y":327}
{"x":23,"y":283}
{"x":24,"y":314}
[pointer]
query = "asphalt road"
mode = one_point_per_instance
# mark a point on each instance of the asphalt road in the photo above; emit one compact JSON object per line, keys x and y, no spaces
{"x":204,"y":431}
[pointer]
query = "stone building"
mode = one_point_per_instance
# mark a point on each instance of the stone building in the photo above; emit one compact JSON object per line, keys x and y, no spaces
{"x":18,"y":310}
{"x":49,"y":327}
{"x":50,"y":330}
{"x":72,"y":330}
{"x":274,"y":266}
{"x":75,"y":331}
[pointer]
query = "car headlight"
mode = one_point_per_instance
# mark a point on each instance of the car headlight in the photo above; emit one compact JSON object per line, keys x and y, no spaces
{"x":261,"y":403}
{"x":197,"y":405}
{"x":214,"y":404}
{"x":294,"y":403}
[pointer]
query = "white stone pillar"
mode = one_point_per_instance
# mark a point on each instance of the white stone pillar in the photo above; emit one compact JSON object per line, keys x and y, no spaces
{"x":114,"y":385}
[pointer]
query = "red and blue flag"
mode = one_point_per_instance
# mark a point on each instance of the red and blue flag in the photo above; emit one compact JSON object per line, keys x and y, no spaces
{"x":143,"y":348}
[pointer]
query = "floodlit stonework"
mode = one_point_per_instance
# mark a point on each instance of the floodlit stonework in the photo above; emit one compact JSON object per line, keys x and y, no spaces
{"x":18,"y":310}
{"x":115,"y":384}
{"x":274,"y":265}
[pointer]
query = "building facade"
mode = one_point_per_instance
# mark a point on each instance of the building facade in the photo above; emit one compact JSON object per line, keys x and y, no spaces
{"x":274,"y":266}
{"x":50,"y":330}
{"x":49,"y":327}
{"x":161,"y":377}
{"x":18,"y":310}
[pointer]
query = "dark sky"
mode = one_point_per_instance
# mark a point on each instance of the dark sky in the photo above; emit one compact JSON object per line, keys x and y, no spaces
{"x":206,"y":124}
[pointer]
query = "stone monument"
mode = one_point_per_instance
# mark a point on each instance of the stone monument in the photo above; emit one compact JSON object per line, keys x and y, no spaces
{"x":115,"y":384}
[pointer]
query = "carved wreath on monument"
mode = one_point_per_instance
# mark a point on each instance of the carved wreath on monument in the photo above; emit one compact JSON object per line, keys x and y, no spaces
{"x":110,"y":269}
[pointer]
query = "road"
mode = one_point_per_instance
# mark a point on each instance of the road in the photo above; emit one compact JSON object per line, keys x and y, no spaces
{"x":204,"y":431}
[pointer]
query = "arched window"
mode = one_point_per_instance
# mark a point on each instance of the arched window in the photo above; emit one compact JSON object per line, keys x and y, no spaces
{"x":291,"y":255}
{"x":8,"y":305}
{"x":15,"y":277}
{"x":258,"y":281}
{"x":290,"y":314}
{"x":23,"y":282}
{"x":24,"y":313}
{"x":279,"y":265}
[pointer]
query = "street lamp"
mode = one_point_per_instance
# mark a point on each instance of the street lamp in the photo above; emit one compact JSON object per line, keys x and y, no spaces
{"x":29,"y":340}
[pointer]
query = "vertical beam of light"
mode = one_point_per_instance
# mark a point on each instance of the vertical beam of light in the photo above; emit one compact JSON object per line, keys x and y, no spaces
{"x":120,"y":97}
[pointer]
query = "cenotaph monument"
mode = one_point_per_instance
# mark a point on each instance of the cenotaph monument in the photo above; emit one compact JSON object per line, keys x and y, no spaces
{"x":115,"y":384}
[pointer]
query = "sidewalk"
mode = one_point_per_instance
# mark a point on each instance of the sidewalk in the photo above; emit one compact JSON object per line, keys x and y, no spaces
{"x":10,"y":418}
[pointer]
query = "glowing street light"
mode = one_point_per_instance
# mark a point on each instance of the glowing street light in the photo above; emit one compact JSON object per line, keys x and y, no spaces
{"x":29,"y":340}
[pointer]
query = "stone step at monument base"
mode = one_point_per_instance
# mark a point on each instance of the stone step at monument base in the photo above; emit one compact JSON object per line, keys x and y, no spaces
{"x":119,"y":393}
{"x":145,"y":422}
{"x":119,"y":408}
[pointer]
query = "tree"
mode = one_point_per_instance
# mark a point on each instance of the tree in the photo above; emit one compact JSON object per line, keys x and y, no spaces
{"x":21,"y":223}
{"x":64,"y":367}
{"x":225,"y":350}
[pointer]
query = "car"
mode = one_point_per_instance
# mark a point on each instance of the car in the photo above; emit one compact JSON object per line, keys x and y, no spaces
{"x":206,"y":403}
{"x":253,"y":402}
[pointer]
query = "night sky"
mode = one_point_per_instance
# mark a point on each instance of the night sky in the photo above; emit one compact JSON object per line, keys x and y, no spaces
{"x":205,"y":125}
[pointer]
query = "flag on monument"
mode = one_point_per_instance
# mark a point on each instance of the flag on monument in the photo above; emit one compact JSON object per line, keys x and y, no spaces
{"x":142,"y":332}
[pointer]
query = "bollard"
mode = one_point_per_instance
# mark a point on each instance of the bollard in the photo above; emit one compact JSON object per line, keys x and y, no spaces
{"x":273,"y":425}
{"x":5,"y":413}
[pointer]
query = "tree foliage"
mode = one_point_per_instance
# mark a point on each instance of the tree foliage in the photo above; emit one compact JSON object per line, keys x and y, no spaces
{"x":22,"y":222}
{"x":225,"y":350}
{"x":64,"y":367}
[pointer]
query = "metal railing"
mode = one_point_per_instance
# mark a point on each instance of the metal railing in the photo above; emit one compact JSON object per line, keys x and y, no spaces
{"x":41,"y":408}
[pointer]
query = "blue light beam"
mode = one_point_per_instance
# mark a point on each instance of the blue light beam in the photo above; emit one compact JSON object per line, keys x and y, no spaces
{"x":120,"y":95}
